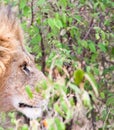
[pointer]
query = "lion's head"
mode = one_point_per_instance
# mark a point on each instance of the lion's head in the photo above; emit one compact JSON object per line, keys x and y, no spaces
{"x":17,"y":69}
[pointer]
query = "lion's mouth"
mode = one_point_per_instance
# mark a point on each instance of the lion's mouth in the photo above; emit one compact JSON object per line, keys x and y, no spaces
{"x":23,"y":105}
{"x":31,"y":111}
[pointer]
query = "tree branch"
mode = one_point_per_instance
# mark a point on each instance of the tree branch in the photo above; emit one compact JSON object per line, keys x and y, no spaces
{"x":43,"y":53}
{"x":32,"y":12}
{"x":90,"y":27}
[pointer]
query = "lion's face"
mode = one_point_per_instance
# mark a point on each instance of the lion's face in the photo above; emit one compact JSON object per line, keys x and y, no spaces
{"x":22,"y":73}
{"x":17,"y":70}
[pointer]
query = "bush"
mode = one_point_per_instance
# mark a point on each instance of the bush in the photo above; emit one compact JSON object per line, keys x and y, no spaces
{"x":73,"y":45}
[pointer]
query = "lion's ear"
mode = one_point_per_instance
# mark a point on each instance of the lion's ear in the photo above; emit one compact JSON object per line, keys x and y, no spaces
{"x":14,"y":24}
{"x":18,"y":32}
{"x":10,"y":25}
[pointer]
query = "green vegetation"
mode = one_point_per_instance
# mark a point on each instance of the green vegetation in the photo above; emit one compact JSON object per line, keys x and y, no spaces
{"x":73,"y":44}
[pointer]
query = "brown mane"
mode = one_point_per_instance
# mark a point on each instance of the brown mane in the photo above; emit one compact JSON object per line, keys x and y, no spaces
{"x":9,"y":31}
{"x":17,"y":69}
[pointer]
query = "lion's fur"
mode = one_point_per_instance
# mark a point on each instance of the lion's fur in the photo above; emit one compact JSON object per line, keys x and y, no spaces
{"x":9,"y":31}
{"x":13,"y":75}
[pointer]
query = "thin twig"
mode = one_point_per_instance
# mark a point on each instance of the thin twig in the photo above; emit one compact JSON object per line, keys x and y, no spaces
{"x":90,"y":27}
{"x":106,"y":119}
{"x":69,"y":41}
{"x":111,"y":62}
{"x":93,"y":116}
{"x":43,"y":53}
{"x":32,"y":12}
{"x":52,"y":66}
{"x":20,"y":12}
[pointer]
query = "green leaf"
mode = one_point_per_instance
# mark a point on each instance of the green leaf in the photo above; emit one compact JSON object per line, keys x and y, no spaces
{"x":96,"y":71}
{"x":102,"y":95}
{"x":107,"y":22}
{"x":97,"y":36}
{"x":58,"y":23}
{"x":63,"y":3}
{"x":35,"y":39}
{"x":110,"y":101}
{"x":51,"y":22}
{"x":58,"y":109}
{"x":44,"y":85}
{"x":74,"y":88}
{"x":108,"y":70}
{"x":64,"y":106}
{"x":84,"y":43}
{"x":26,"y":11}
{"x":92,"y":46}
{"x":104,"y":114}
{"x":112,"y":112}
{"x":112,"y":51}
{"x":60,"y":125}
{"x":86,"y":99}
{"x":94,"y":57}
{"x":29,"y":92}
{"x":24,"y":127}
{"x":102,"y":6}
{"x":103,"y":35}
{"x":41,"y":2}
{"x":22,"y":3}
{"x":93,"y":83}
{"x":69,"y":114}
{"x":82,"y":1}
{"x":3,"y":116}
{"x":64,"y":18}
{"x":11,"y":114}
{"x":102,"y":47}
{"x":1,"y":128}
{"x":78,"y":76}
{"x":29,"y":49}
{"x":78,"y":18}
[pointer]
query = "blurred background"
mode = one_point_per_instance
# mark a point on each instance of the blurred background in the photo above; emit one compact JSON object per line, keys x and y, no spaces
{"x":73,"y":45}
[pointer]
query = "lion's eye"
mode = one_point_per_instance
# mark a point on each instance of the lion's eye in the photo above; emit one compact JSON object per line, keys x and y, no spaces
{"x":25,"y":68}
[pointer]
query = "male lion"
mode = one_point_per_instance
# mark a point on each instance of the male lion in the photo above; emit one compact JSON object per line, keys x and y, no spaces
{"x":17,"y":70}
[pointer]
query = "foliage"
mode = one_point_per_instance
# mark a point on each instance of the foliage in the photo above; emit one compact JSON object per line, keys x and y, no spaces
{"x":73,"y":45}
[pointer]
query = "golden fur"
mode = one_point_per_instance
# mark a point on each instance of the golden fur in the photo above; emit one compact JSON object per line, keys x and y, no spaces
{"x":9,"y":30}
{"x":17,"y":69}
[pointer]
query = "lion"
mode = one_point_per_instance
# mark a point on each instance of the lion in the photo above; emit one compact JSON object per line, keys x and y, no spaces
{"x":17,"y":70}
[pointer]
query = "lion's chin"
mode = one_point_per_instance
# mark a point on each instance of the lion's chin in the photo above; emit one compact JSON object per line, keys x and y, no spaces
{"x":30,"y":111}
